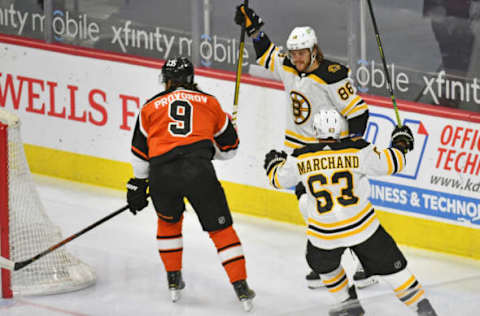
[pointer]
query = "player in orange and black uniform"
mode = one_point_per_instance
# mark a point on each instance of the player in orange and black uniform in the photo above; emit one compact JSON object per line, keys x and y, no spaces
{"x":177,"y":134}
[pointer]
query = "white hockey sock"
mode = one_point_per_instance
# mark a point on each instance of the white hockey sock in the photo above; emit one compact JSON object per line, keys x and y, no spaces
{"x":406,"y":287}
{"x":337,"y":283}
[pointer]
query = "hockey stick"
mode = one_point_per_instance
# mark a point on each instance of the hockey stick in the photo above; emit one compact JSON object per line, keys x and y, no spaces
{"x":420,"y":94}
{"x":239,"y":72}
{"x":387,"y":73}
{"x":14,"y":266}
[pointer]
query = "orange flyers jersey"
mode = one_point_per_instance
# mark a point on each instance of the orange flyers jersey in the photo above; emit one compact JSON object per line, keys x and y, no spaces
{"x":176,"y":118}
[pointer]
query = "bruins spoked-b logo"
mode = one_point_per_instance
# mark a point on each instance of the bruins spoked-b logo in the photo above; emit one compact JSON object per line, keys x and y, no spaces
{"x":300,"y":106}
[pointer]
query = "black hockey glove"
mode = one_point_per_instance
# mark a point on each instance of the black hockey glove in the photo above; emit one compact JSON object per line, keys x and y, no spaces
{"x":137,"y":194}
{"x":300,"y":190}
{"x":402,"y":139}
{"x":249,"y":19}
{"x":272,"y":158}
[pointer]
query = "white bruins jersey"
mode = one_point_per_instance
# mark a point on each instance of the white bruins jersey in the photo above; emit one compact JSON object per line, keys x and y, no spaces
{"x":335,"y":177}
{"x":326,"y":88}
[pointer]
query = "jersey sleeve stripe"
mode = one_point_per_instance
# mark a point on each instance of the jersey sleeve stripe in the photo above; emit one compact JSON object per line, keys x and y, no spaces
{"x":272,"y":61}
{"x":140,"y":126}
{"x":273,"y":176}
{"x":270,"y":177}
{"x":269,"y":58}
{"x":358,"y":110}
{"x":400,"y":159}
{"x":350,"y":105}
{"x":224,"y":127}
{"x":139,"y":153}
{"x":263,"y":58}
{"x":300,"y":137}
{"x":230,"y":147}
{"x":289,"y":144}
{"x":290,"y":69}
{"x":394,"y":159}
{"x":389,"y":160}
{"x":317,"y":79}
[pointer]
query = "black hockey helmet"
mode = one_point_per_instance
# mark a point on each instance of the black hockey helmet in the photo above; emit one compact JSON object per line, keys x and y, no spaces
{"x":178,"y":69}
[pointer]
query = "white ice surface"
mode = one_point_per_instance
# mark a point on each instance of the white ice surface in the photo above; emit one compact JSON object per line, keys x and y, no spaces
{"x":131,"y":279}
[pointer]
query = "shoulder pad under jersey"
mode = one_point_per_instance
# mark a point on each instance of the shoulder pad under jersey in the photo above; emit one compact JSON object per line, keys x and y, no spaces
{"x":287,"y":63}
{"x":347,"y":143}
{"x":330,"y":71}
{"x":158,"y":95}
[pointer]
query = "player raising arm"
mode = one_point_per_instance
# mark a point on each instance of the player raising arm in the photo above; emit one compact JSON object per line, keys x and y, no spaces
{"x":176,"y":135}
{"x":312,"y":83}
{"x":340,"y":215}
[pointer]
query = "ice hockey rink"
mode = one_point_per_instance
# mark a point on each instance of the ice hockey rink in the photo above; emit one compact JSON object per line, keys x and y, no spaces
{"x":131,"y":279}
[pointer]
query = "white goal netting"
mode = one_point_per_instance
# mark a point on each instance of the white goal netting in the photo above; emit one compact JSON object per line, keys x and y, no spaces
{"x":31,"y":231}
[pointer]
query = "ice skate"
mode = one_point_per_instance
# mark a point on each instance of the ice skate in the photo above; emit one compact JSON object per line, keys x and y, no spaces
{"x":244,"y":294}
{"x":175,"y":284}
{"x":314,"y":281}
{"x":349,"y":307}
{"x":425,"y":308}
{"x":362,"y":280}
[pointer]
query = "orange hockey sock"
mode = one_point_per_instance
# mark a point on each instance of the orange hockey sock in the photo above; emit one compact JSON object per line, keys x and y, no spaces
{"x":170,"y":244}
{"x":230,"y":253}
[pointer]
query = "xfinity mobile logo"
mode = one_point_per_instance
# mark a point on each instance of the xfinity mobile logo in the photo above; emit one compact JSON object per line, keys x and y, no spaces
{"x":220,"y":50}
{"x":63,"y":24}
{"x":436,"y":86}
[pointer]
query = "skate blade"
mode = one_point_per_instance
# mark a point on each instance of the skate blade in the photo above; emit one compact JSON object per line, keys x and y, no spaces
{"x":361,"y":284}
{"x":175,"y":295}
{"x":350,"y":308}
{"x":247,"y":305}
{"x":315,"y":284}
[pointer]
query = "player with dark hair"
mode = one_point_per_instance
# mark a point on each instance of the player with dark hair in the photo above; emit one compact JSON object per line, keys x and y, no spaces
{"x":340,"y":215}
{"x":177,"y":134}
{"x":312,"y":83}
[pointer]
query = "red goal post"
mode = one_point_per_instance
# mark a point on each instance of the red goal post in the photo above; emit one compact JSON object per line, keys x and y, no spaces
{"x":26,"y":229}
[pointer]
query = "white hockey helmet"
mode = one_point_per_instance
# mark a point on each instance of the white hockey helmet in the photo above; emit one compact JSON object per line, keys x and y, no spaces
{"x":302,"y":37}
{"x":327,"y":124}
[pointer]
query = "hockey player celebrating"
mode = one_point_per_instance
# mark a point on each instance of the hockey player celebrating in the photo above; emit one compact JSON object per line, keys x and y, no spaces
{"x":177,"y":133}
{"x":340,"y":216}
{"x":312,"y":83}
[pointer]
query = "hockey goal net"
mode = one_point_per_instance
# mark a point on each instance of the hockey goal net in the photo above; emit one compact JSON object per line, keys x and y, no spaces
{"x":26,"y":230}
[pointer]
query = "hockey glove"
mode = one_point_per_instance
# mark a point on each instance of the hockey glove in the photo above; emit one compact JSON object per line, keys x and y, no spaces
{"x":402,"y":139}
{"x":272,"y":158}
{"x":300,"y":190}
{"x":137,"y":194}
{"x":249,"y":19}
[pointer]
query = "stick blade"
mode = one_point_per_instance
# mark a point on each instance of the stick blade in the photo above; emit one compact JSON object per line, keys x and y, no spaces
{"x":7,"y":264}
